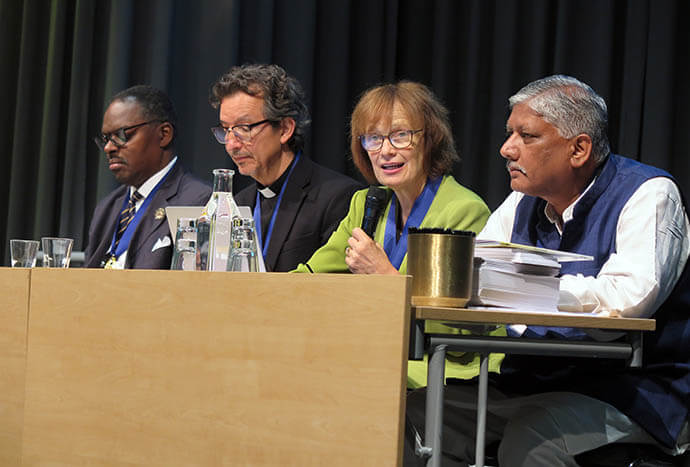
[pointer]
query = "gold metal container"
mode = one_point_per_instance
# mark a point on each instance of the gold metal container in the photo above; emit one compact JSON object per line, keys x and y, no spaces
{"x":440,"y":263}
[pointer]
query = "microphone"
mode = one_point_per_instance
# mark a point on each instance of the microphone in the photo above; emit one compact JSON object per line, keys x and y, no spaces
{"x":373,"y":207}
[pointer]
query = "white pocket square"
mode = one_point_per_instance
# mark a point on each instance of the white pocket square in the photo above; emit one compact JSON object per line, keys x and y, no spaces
{"x":162,"y":243}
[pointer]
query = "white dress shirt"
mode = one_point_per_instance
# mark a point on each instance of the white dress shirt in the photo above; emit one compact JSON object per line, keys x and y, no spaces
{"x":144,"y":190}
{"x":652,"y":248}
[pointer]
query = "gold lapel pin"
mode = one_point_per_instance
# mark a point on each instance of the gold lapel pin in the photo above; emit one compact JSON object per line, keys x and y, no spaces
{"x":160,"y":214}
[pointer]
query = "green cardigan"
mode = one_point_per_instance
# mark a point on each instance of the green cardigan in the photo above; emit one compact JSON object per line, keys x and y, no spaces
{"x":454,"y":207}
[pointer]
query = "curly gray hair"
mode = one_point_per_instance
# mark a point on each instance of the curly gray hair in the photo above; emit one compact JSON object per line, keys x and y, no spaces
{"x":282,"y":94}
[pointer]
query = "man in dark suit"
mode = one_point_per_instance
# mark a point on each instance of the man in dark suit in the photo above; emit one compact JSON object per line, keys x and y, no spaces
{"x":129,"y":229}
{"x":297,"y":203}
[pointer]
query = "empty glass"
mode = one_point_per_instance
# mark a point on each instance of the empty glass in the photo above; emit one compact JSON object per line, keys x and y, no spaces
{"x":185,"y":254}
{"x":243,"y":247}
{"x":56,"y":252}
{"x":23,"y":253}
{"x":203,"y":236}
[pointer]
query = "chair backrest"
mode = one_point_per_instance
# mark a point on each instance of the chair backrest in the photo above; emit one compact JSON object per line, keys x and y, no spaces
{"x":637,"y":455}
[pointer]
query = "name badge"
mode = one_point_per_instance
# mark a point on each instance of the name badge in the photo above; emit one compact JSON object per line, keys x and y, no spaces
{"x":110,"y":264}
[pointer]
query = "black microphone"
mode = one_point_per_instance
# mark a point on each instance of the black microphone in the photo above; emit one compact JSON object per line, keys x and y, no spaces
{"x":373,"y":207}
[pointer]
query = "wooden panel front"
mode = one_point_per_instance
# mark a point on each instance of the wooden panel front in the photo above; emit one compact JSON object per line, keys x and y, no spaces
{"x":14,"y":289}
{"x":193,"y":368}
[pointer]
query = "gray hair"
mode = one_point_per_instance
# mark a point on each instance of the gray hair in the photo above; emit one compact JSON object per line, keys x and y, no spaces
{"x":282,"y":94}
{"x":571,"y":106}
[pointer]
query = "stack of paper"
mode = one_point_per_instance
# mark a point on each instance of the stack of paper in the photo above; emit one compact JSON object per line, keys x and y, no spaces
{"x":527,"y":263}
{"x":502,"y":283}
{"x":507,"y":250}
{"x":517,"y":276}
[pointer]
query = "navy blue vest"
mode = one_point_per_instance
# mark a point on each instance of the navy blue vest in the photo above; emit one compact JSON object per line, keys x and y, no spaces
{"x":656,"y":396}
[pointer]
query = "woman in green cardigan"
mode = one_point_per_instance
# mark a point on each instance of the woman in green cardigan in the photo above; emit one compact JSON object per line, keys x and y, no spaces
{"x":401,"y":139}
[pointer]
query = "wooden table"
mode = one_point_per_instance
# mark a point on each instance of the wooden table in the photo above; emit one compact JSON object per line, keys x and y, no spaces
{"x":438,"y":345}
{"x":163,"y":368}
{"x":14,"y":289}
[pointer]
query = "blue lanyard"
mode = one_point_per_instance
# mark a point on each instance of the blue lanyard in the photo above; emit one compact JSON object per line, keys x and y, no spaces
{"x":397,"y":249}
{"x":257,"y":211}
{"x":127,"y":235}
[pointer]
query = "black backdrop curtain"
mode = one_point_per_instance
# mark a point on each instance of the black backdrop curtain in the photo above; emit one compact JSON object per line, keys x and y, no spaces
{"x":61,"y":60}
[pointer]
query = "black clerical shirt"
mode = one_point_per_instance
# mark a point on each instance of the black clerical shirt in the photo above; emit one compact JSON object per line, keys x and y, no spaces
{"x":268,"y":203}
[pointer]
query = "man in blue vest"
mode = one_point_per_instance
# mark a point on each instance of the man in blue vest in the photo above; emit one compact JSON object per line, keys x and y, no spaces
{"x":571,"y":193}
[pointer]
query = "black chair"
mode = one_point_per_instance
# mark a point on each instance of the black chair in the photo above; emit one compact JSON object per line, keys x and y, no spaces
{"x":631,"y":455}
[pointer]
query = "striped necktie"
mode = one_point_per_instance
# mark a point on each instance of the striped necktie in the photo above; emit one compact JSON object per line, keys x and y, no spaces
{"x":127,"y":215}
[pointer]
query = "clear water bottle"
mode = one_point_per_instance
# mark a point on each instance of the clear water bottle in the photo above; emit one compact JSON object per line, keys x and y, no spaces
{"x":218,"y":214}
{"x":185,"y":253}
{"x":243,"y":248}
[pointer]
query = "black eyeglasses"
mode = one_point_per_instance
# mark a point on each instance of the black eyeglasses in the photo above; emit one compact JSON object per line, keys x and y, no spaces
{"x":242,"y":132}
{"x":118,"y":137}
{"x":400,"y":139}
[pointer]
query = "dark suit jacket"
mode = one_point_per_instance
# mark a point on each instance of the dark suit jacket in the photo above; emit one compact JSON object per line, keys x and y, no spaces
{"x":178,"y":189}
{"x":315,"y":201}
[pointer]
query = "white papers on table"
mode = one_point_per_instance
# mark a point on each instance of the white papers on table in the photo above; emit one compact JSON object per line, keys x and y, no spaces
{"x":506,"y":250}
{"x":518,"y":276}
{"x":526,"y":263}
{"x":502,"y":283}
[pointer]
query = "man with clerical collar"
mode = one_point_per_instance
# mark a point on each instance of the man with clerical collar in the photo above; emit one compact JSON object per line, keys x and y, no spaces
{"x":297,"y":203}
{"x":129,"y":229}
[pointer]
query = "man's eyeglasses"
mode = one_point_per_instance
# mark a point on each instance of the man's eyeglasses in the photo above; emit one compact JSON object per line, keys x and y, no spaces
{"x":118,"y":137}
{"x":241,"y":132}
{"x":400,"y":139}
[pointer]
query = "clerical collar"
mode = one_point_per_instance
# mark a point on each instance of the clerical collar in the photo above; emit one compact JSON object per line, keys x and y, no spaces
{"x":266,"y":192}
{"x":274,"y":188}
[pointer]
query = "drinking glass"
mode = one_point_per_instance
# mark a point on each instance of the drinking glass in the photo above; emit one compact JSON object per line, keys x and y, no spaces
{"x":203,"y":236}
{"x":23,"y":253}
{"x":184,"y":255}
{"x":56,"y":252}
{"x":242,"y":250}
